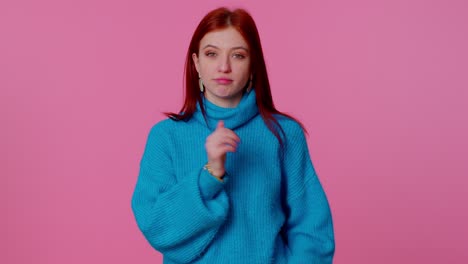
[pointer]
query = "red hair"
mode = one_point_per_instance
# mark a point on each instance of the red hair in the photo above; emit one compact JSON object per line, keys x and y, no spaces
{"x":241,"y":20}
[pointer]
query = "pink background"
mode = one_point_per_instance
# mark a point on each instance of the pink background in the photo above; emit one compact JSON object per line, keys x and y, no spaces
{"x":380,"y":85}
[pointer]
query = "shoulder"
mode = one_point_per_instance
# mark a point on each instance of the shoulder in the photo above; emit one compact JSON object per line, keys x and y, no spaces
{"x":163,"y":126}
{"x":162,"y":130}
{"x":290,"y":127}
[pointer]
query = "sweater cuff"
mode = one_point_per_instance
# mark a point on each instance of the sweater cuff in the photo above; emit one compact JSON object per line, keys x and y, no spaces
{"x":209,"y":185}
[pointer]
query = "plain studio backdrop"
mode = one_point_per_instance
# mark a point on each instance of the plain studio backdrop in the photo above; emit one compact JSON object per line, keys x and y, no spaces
{"x":380,"y":85}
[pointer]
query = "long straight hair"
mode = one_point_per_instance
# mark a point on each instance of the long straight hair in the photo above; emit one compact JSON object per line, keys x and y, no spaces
{"x":222,"y":18}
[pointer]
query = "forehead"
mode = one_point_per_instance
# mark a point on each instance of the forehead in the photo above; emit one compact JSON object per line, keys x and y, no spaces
{"x":224,"y":38}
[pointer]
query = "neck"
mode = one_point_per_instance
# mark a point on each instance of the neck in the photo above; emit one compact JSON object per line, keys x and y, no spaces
{"x":233,"y":117}
{"x":223,"y":102}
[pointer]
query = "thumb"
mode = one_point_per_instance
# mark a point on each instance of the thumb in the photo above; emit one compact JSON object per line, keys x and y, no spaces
{"x":220,"y":124}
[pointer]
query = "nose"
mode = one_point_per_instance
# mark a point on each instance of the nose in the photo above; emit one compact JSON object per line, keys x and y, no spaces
{"x":225,"y":64}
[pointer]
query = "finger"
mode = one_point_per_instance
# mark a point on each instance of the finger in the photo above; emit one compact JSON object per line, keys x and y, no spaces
{"x":226,"y":148}
{"x":220,"y":127}
{"x":220,"y":124}
{"x":225,"y":139}
{"x":214,"y":144}
{"x":226,"y":132}
{"x":228,"y":141}
{"x":233,"y":136}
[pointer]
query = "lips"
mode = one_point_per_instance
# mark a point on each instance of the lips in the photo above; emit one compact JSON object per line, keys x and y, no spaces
{"x":223,"y":80}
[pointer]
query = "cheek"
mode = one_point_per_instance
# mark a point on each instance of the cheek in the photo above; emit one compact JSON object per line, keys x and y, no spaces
{"x":242,"y":68}
{"x":206,"y":66}
{"x":243,"y":72}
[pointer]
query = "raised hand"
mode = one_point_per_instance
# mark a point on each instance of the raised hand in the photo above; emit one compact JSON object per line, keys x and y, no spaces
{"x":217,"y":144}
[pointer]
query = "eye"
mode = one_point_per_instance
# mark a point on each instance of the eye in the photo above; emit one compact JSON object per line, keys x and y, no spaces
{"x":239,"y":55}
{"x":210,"y":54}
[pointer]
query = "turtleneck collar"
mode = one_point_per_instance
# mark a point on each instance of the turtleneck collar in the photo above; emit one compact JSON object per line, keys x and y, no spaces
{"x":232,"y":117}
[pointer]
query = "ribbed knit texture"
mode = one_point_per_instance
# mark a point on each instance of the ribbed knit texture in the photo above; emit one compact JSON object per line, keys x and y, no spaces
{"x":271,"y":208}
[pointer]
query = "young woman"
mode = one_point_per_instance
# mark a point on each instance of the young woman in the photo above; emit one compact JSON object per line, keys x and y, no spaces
{"x":229,"y":178}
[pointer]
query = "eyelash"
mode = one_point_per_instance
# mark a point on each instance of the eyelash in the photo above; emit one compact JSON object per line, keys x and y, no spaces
{"x":240,"y":56}
{"x":236,"y":55}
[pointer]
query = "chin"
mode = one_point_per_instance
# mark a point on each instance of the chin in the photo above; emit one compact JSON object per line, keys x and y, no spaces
{"x":223,"y":93}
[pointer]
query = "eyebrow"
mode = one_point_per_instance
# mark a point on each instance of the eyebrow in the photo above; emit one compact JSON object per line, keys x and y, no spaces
{"x":234,"y":48}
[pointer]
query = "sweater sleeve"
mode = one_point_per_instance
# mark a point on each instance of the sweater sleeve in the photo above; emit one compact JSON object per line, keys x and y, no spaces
{"x":178,"y":218}
{"x":309,"y":227}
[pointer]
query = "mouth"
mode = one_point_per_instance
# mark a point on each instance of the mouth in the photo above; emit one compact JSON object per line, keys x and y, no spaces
{"x":223,"y":80}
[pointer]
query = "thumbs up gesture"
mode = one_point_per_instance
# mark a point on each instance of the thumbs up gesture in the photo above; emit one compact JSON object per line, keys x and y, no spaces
{"x":217,"y":144}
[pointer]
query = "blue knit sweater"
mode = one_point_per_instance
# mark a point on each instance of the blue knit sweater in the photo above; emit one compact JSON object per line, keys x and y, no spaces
{"x":270,"y":208}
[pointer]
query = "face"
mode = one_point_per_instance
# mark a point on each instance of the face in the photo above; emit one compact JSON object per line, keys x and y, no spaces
{"x":223,"y":62}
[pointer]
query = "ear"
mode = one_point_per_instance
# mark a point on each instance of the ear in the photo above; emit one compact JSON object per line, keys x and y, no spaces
{"x":195,"y":61}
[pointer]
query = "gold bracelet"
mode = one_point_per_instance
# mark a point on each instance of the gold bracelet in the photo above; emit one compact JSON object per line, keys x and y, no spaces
{"x":208,"y":168}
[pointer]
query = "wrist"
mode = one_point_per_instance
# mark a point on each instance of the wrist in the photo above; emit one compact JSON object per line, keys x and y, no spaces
{"x":215,"y":172}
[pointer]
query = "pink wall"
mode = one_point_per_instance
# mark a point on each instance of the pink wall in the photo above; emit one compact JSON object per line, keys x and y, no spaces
{"x":380,"y":85}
